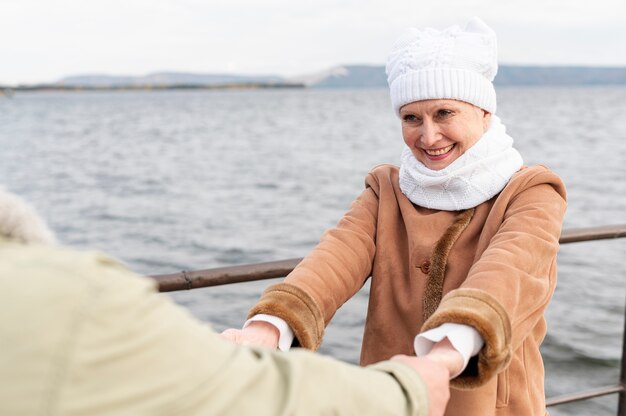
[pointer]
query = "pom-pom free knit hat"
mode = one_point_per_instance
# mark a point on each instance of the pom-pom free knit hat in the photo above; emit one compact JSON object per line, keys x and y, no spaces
{"x":453,"y":63}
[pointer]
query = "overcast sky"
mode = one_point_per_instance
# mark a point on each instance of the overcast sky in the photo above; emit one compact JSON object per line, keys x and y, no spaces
{"x":44,"y":40}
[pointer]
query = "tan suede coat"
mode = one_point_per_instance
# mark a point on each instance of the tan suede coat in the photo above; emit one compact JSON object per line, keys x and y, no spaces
{"x":494,"y":265}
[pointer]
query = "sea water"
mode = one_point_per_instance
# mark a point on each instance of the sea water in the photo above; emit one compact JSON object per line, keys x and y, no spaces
{"x":182,"y":180}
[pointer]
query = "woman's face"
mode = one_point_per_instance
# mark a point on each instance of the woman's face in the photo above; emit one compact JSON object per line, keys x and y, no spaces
{"x":439,"y":131}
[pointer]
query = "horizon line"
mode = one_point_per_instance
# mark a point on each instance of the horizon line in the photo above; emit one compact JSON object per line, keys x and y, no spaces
{"x":275,"y":75}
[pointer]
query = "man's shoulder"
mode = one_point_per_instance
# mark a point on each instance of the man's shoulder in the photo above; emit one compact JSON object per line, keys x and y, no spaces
{"x":47,"y":268}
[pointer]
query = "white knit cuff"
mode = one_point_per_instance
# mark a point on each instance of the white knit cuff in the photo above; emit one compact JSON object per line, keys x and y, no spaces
{"x":465,"y":339}
{"x":285,"y":338}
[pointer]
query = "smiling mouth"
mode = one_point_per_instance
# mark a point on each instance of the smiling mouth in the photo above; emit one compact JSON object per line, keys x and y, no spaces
{"x":438,"y":152}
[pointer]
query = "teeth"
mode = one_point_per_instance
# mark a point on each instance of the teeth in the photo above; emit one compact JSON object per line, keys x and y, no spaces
{"x":439,"y":151}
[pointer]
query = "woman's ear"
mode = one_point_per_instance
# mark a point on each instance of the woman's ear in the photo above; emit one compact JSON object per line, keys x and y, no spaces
{"x":486,"y":119}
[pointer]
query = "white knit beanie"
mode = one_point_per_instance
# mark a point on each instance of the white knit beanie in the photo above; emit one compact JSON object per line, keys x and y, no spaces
{"x":453,"y":63}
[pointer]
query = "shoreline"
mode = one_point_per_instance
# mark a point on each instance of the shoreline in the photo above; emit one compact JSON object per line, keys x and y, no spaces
{"x":8,"y":91}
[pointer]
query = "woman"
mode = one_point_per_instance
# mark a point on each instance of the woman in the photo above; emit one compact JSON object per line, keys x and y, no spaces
{"x":460,"y":241}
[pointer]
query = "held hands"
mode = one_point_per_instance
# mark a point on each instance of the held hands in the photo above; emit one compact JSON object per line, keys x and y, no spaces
{"x":436,"y":377}
{"x":444,"y":353}
{"x":436,"y":368}
{"x":257,"y":333}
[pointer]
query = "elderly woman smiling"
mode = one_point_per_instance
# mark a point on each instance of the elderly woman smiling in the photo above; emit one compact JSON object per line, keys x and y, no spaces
{"x":459,"y":242}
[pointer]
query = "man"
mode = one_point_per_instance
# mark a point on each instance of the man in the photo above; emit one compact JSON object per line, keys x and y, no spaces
{"x":82,"y":335}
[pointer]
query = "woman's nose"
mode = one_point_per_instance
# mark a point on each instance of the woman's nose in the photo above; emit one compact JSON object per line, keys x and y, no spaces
{"x":429,"y":135}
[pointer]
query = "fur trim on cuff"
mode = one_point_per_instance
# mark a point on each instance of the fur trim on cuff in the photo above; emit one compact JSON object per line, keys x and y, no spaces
{"x":481,"y":311}
{"x":297,"y":308}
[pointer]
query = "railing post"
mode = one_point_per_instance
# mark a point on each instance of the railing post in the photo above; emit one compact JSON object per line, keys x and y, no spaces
{"x":621,"y":406}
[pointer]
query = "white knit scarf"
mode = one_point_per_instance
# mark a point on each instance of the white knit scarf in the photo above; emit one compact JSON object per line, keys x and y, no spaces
{"x":475,"y":177}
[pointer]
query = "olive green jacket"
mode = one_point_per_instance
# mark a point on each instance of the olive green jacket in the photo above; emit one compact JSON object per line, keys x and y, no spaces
{"x":82,"y":335}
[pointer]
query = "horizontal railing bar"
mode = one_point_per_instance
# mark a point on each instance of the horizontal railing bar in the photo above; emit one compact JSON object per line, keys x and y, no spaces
{"x":225,"y":275}
{"x":274,"y":269}
{"x":584,"y":395}
{"x":575,"y":235}
{"x":186,"y":280}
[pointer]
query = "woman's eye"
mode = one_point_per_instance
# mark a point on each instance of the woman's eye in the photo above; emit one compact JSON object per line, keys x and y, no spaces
{"x":444,"y":113}
{"x":409,"y":118}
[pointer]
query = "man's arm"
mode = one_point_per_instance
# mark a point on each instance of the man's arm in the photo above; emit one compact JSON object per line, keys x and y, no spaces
{"x":140,"y":353}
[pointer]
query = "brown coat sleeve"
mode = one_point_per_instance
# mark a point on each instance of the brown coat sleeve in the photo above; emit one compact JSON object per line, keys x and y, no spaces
{"x":514,"y":275}
{"x":328,"y":276}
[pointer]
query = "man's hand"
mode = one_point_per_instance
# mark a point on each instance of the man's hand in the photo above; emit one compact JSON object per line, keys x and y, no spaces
{"x":436,"y":376}
{"x":257,"y":333}
{"x":444,"y":353}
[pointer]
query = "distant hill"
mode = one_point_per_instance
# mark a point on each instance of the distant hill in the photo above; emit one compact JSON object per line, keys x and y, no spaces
{"x":359,"y":76}
{"x":348,"y":76}
{"x":165,"y":78}
{"x":559,"y":75}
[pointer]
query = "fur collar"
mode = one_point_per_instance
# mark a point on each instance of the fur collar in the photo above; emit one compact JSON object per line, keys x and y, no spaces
{"x":20,"y":222}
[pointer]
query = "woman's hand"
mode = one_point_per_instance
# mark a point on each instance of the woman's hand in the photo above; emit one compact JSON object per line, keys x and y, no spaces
{"x":436,"y":377}
{"x":444,"y":353}
{"x":257,"y":333}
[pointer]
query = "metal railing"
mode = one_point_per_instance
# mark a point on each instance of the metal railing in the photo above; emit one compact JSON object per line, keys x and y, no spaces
{"x":186,"y":280}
